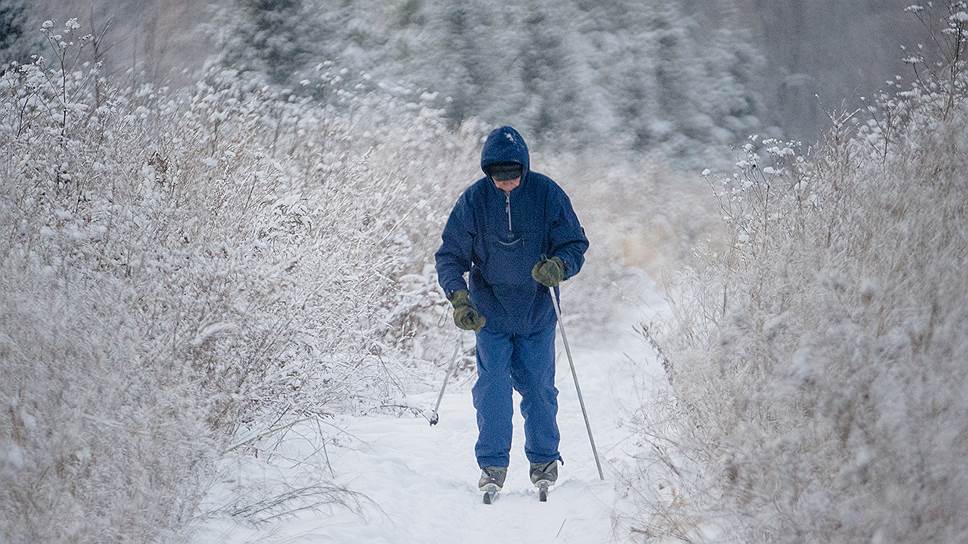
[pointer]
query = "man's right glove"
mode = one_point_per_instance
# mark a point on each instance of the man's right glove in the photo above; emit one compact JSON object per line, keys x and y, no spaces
{"x":466,"y":316}
{"x":549,"y":272}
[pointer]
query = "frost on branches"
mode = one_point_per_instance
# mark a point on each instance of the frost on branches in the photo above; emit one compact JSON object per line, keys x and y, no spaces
{"x":183,"y":274}
{"x":817,"y":367}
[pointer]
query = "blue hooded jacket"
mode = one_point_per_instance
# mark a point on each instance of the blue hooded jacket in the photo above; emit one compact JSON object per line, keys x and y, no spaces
{"x":499,"y":237}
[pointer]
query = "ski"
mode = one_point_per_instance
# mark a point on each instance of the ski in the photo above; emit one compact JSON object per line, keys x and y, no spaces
{"x":543,"y":487}
{"x":490,"y":493}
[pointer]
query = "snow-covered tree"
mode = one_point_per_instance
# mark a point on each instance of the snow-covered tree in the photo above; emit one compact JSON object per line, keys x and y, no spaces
{"x":276,"y":38}
{"x":17,"y":41}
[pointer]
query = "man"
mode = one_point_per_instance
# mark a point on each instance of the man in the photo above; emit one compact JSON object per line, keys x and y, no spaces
{"x":516,"y":233}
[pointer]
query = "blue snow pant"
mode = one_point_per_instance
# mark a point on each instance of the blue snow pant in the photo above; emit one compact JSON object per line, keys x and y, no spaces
{"x":527,"y":363}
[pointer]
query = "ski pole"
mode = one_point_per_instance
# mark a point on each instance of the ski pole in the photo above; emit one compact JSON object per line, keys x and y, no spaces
{"x":574,"y":375}
{"x":453,"y":362}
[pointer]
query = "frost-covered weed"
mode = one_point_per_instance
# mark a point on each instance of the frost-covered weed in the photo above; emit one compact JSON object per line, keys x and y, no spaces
{"x":190,"y":272}
{"x":817,"y":367}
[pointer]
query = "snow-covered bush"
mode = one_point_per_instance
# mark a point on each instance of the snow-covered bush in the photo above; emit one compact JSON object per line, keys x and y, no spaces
{"x":817,"y":365}
{"x":189,"y":272}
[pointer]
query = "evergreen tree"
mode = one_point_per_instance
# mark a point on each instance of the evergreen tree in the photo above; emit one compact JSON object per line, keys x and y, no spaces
{"x":270,"y":37}
{"x":17,"y":42}
{"x":673,"y":85}
{"x":551,"y":73}
{"x":456,"y":52}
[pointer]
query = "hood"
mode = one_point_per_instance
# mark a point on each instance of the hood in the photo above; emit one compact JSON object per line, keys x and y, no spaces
{"x":505,"y":144}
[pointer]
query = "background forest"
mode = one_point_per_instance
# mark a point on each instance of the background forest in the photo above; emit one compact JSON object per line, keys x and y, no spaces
{"x":672,"y":78}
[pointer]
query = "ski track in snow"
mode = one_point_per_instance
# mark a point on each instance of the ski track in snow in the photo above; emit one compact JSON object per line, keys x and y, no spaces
{"x":420,"y":482}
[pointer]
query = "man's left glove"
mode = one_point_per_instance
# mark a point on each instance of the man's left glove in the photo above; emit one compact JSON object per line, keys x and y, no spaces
{"x":549,"y":271}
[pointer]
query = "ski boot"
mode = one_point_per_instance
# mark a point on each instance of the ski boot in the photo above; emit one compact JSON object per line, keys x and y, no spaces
{"x":492,"y":480}
{"x":543,"y":476}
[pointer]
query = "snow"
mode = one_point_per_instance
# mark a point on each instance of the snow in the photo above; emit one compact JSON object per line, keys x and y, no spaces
{"x":420,"y":482}
{"x":210,"y":330}
{"x":12,"y":456}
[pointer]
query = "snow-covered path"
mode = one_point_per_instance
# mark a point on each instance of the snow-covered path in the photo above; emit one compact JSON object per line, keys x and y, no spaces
{"x":420,"y":481}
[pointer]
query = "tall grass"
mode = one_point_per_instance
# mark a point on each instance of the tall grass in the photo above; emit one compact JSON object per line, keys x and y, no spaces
{"x":817,"y":363}
{"x":185,"y":273}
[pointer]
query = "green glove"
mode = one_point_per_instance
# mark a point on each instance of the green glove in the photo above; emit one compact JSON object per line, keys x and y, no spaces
{"x":466,"y":316}
{"x":549,"y":272}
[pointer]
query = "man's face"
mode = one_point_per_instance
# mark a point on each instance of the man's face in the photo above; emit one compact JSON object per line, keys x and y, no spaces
{"x":508,"y":185}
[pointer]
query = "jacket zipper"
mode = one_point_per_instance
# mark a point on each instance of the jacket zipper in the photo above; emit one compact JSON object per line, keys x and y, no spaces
{"x":507,"y":207}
